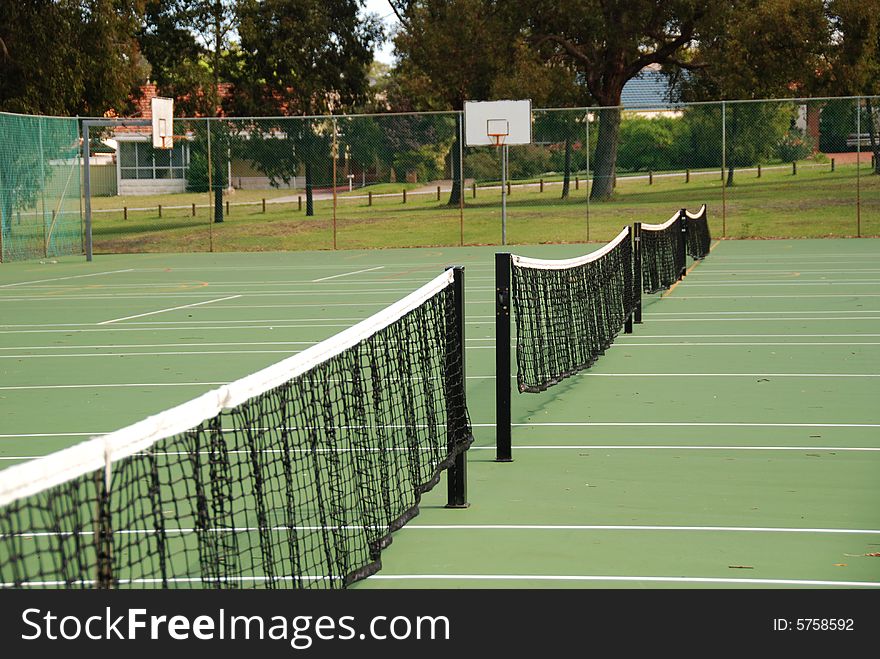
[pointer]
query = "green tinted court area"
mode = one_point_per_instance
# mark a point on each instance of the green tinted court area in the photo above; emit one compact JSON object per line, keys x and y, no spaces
{"x":733,"y":440}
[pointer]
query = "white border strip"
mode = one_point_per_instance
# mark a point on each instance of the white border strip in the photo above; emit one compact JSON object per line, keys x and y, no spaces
{"x":698,"y":214}
{"x":661,"y":227}
{"x":542,"y":264}
{"x":20,"y":481}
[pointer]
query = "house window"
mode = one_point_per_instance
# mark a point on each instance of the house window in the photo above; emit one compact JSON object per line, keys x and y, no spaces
{"x":139,"y":160}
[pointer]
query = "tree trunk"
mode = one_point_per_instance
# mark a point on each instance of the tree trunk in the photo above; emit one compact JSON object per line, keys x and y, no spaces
{"x":872,"y":135}
{"x":606,"y":154}
{"x":566,"y":177}
{"x":310,"y":206}
{"x":456,"y":170}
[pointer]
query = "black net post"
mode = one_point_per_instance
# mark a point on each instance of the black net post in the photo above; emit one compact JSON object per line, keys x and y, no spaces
{"x":683,"y":220}
{"x":637,"y":271}
{"x":503,"y":449}
{"x":103,"y":532}
{"x":456,"y":478}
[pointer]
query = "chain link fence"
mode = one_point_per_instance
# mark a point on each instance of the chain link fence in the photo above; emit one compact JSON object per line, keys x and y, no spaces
{"x":766,"y":169}
{"x":40,"y":193}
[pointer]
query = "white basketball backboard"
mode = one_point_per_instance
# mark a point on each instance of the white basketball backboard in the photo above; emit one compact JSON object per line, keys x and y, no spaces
{"x":483,"y":120}
{"x":163,"y":122}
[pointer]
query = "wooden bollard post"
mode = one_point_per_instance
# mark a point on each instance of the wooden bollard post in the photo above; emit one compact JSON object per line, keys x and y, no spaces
{"x":299,"y":203}
{"x":577,"y":183}
{"x":832,"y":164}
{"x":264,"y":206}
{"x":193,"y":210}
{"x":509,"y":189}
{"x":438,"y":193}
{"x":125,"y":212}
{"x":650,"y":177}
{"x":227,"y":207}
{"x":687,"y":176}
{"x":793,"y":167}
{"x":369,"y":198}
{"x":542,"y":185}
{"x":404,"y":195}
{"x":474,"y":189}
{"x":160,"y":211}
{"x":759,"y":170}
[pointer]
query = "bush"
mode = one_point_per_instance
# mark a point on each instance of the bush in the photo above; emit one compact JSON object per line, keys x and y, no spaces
{"x":794,"y":146}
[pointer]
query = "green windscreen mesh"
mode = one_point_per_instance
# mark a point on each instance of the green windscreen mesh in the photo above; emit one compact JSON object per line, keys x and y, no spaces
{"x":40,"y":179}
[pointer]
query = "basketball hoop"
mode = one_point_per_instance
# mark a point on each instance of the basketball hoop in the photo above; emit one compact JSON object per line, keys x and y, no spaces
{"x":497,"y":138}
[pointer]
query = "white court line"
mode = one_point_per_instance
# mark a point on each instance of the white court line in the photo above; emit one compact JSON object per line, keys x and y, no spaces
{"x":738,"y":284}
{"x":164,"y":345}
{"x":675,"y":424}
{"x":346,"y":274}
{"x":634,"y":527}
{"x":599,"y":578}
{"x":201,"y":293}
{"x":113,"y":386}
{"x":42,"y":281}
{"x":658,"y":447}
{"x":151,"y":313}
{"x":175,"y":353}
{"x":608,"y":447}
{"x":777,"y":297}
{"x":748,"y":313}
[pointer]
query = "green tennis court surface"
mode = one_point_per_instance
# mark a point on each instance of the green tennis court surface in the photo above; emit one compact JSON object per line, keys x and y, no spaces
{"x":730,"y":441}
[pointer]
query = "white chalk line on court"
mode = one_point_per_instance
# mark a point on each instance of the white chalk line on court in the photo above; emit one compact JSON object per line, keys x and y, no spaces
{"x":634,"y":527}
{"x":677,"y":424}
{"x":629,"y":579}
{"x":347,"y":274}
{"x":43,"y":281}
{"x":152,"y":313}
{"x":676,"y":447}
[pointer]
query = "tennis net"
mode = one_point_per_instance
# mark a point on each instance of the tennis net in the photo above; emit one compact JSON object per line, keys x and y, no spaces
{"x":567,"y":312}
{"x":663,"y":253}
{"x":294,"y":476}
{"x":699,"y":239}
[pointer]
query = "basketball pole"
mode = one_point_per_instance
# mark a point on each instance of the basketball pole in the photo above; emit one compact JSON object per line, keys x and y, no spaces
{"x":503,"y":194}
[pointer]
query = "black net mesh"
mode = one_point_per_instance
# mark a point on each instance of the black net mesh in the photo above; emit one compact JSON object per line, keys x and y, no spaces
{"x":298,"y":487}
{"x":698,"y":237}
{"x":663,"y":255}
{"x":567,"y":317}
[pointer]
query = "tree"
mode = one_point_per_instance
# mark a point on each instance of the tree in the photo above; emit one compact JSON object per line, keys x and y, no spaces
{"x":308,"y":57}
{"x":608,"y":42}
{"x":450,"y":51}
{"x":68,"y":57}
{"x":766,"y":49}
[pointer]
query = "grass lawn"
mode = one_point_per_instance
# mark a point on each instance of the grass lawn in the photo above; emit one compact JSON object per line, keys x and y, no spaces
{"x":815,"y":202}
